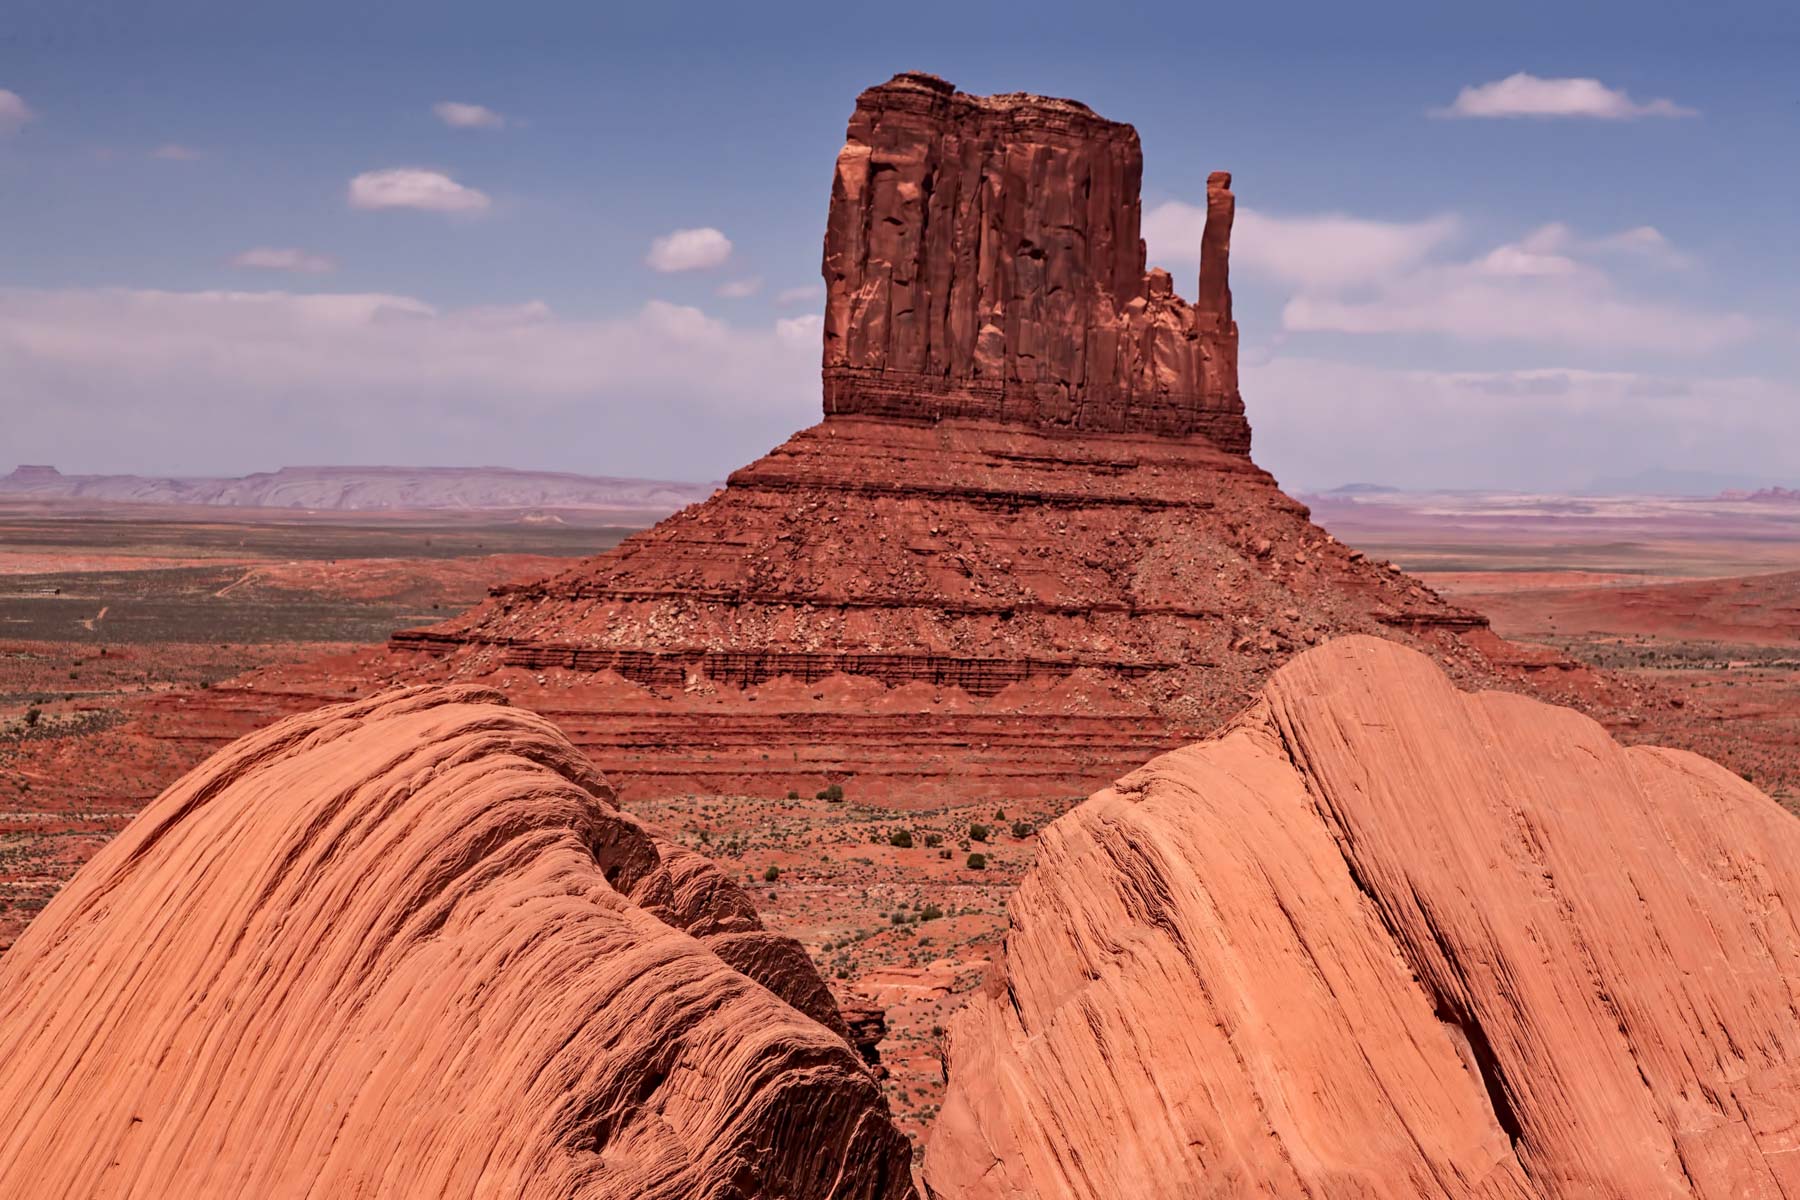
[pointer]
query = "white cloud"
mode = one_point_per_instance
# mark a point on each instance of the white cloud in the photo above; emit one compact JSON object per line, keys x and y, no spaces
{"x":14,"y":112}
{"x":1348,"y":274}
{"x":1645,"y":242}
{"x":175,"y":152}
{"x":801,"y":331}
{"x":280,"y":258}
{"x":118,"y":379}
{"x":1526,"y":95}
{"x":689,"y":250}
{"x":738,"y":289}
{"x":414,"y":187}
{"x":1320,"y":423}
{"x":1541,"y":288}
{"x":1327,"y":250}
{"x":806,"y":293}
{"x":467,"y":116}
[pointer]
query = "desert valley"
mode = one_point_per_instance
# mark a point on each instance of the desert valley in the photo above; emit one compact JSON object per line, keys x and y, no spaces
{"x":1001,"y":788}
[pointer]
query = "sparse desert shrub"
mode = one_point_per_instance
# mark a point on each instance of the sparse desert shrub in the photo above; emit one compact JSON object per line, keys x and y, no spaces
{"x":930,"y":912}
{"x":33,"y":715}
{"x":978,"y":832}
{"x":934,"y":840}
{"x":999,"y":814}
{"x":793,"y":794}
{"x":771,"y":873}
{"x":901,"y":838}
{"x":944,"y":853}
{"x":1021,"y":829}
{"x":978,"y":861}
{"x":831,"y":794}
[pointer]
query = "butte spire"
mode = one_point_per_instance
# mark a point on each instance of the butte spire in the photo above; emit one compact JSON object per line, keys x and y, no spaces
{"x":983,"y":260}
{"x":1025,"y":547}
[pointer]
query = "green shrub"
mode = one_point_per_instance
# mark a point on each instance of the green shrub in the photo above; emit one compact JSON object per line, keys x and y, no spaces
{"x":978,"y":832}
{"x":32,"y":716}
{"x":771,"y":873}
{"x":934,"y":840}
{"x":832,"y":794}
{"x":793,"y":794}
{"x":930,"y":912}
{"x":977,"y":862}
{"x":1021,"y":829}
{"x":901,"y":838}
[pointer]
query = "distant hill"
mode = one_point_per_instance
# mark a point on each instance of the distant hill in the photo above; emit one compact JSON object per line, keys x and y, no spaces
{"x":368,"y":489}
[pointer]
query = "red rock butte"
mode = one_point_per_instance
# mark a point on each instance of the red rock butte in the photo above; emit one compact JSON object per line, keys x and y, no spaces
{"x":982,"y":259}
{"x":1028,"y":519}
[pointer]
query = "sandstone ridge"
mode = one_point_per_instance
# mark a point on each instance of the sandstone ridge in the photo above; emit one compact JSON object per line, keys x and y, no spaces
{"x":1383,"y":938}
{"x":408,"y":946}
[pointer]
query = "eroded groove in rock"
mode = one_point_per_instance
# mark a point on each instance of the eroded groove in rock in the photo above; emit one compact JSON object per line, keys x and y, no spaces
{"x":1384,"y":938}
{"x":408,"y":946}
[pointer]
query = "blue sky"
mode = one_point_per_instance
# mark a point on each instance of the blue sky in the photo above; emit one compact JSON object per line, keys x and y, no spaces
{"x":1431,"y":300}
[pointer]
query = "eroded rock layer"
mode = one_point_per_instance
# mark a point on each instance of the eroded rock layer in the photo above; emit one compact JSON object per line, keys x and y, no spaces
{"x":983,"y":259}
{"x":409,"y":947}
{"x":1046,"y":581}
{"x":1383,"y":938}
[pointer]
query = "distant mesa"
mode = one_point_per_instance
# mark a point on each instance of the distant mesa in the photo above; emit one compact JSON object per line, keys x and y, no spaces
{"x":1383,"y":938}
{"x":409,"y":946}
{"x":1768,"y":495}
{"x":367,"y":489}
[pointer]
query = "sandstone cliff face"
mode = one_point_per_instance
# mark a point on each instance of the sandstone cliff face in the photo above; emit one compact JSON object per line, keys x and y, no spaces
{"x":982,"y":259}
{"x":408,"y":947}
{"x":1381,"y":938}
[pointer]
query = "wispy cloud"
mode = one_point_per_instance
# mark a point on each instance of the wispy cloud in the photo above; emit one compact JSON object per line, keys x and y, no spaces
{"x":801,"y":331}
{"x":806,"y":293}
{"x":1526,"y":95}
{"x":1553,"y":286}
{"x":738,"y":289}
{"x":1325,"y":250}
{"x":283,"y":258}
{"x":122,"y":376}
{"x":689,"y":250}
{"x":175,"y":152}
{"x":1545,"y":287}
{"x":1322,"y":422}
{"x":458,"y":115}
{"x":14,"y":112}
{"x":415,"y":187}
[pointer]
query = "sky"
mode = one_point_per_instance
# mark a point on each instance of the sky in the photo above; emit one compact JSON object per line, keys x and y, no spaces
{"x":1525,"y":246}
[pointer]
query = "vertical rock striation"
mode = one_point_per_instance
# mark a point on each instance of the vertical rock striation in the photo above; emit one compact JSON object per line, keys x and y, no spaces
{"x":408,"y":947}
{"x":982,"y":259}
